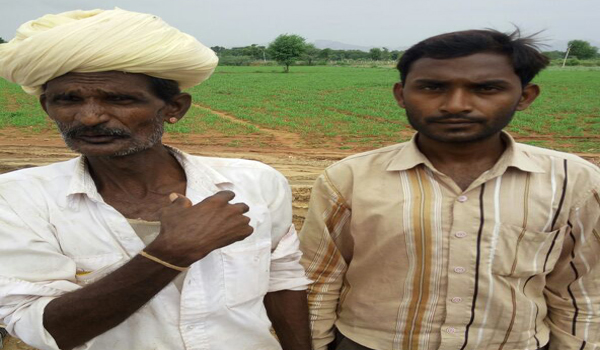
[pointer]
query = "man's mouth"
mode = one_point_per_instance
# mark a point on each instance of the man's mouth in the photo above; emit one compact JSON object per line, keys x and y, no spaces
{"x":456,"y":121}
{"x":98,"y":138}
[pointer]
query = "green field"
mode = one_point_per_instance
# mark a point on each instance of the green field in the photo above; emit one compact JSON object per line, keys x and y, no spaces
{"x":345,"y":108}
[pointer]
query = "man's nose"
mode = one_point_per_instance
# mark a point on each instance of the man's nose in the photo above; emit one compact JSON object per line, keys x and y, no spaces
{"x":457,"y":101}
{"x":92,"y":113}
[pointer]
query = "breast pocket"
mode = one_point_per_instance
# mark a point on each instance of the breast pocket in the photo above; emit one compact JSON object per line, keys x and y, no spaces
{"x":246,"y":272}
{"x":524,"y":253}
{"x":92,"y":268}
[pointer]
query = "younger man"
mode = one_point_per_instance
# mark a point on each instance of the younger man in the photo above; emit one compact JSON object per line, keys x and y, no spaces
{"x":460,"y":238}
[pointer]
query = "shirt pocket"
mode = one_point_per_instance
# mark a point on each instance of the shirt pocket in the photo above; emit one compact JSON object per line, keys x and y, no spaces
{"x":524,"y":253}
{"x":92,"y":268}
{"x":246,"y":272}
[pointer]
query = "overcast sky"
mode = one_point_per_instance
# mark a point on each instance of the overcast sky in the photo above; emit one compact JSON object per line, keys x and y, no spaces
{"x":389,"y":23}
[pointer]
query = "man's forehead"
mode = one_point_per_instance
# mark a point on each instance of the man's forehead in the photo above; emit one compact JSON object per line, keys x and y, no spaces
{"x":479,"y":66}
{"x":114,"y":79}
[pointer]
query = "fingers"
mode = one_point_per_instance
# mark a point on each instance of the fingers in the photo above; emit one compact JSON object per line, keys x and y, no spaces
{"x":242,"y":207}
{"x":224,"y":195}
{"x":180,"y":200}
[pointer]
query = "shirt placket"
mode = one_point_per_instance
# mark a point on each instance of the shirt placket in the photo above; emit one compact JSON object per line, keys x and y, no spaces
{"x":464,"y":255}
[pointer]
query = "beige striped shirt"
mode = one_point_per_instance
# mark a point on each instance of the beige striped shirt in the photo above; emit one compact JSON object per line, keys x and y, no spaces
{"x":402,"y":258}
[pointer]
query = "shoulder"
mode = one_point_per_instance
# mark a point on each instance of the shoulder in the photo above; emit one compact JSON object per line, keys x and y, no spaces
{"x":33,"y":189}
{"x":377,"y":159}
{"x":545,"y":158}
{"x":43,"y":174}
{"x":237,"y":168}
{"x":253,"y":177}
{"x":581,"y":176}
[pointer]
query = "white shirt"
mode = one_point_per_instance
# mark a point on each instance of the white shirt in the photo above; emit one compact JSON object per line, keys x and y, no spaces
{"x":57,"y":235}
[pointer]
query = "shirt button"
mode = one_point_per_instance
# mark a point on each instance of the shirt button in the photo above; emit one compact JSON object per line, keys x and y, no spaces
{"x":451,"y":330}
{"x":456,"y":300}
{"x":461,"y":234}
{"x":462,"y":199}
{"x":459,"y":269}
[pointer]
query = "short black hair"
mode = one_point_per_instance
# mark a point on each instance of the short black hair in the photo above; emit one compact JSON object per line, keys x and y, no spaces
{"x":523,"y":52}
{"x":165,"y":89}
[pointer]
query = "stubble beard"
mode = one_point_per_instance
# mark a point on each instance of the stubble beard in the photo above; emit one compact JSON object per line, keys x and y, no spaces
{"x":69,"y":134}
{"x":497,"y":125}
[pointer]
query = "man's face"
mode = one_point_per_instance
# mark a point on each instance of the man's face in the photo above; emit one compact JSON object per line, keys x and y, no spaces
{"x":463,"y":99}
{"x":105,"y":114}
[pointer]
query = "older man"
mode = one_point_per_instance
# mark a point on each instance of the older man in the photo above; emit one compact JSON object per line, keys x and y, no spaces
{"x":136,"y":245}
{"x":461,"y":238}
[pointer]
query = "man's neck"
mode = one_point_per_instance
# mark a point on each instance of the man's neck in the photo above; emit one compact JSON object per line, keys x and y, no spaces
{"x":463,"y":162}
{"x":137,"y":174}
{"x":461,"y":153}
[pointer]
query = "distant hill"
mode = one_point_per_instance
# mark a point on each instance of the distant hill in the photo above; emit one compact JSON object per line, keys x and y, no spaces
{"x":336,"y":45}
{"x":560,"y":45}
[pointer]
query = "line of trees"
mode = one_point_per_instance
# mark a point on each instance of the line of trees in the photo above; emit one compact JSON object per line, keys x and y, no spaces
{"x":288,"y":49}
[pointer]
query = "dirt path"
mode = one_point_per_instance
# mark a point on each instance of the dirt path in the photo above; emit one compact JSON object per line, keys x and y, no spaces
{"x":286,"y":153}
{"x":281,"y":138}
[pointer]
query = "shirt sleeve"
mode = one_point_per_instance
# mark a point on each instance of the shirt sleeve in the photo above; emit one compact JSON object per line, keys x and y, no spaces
{"x":573,"y":288}
{"x":33,"y":272}
{"x":286,"y":272}
{"x":327,"y":219}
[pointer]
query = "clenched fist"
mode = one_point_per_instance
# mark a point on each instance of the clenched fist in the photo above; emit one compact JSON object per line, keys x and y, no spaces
{"x":190,"y":232}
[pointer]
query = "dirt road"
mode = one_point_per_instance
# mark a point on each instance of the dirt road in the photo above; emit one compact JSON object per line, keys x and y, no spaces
{"x":300,"y":163}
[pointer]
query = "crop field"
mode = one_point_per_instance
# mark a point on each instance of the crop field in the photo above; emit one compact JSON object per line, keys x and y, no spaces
{"x":303,"y":121}
{"x":339,"y":108}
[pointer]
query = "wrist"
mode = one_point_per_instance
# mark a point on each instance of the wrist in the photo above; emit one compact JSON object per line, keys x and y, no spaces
{"x":163,"y":250}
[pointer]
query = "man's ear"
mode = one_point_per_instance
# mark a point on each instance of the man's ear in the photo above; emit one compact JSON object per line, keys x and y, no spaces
{"x":177,"y":107}
{"x":399,"y":94}
{"x":529,"y":94}
{"x":43,"y":102}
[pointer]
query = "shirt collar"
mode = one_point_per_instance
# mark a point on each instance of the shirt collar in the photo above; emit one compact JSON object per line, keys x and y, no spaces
{"x":200,"y":177}
{"x":514,"y":156}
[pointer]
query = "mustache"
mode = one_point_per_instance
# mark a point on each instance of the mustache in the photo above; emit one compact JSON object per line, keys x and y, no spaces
{"x":446,"y":117}
{"x":77,"y":131}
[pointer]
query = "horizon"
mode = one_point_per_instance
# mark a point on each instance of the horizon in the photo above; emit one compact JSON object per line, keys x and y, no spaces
{"x":380,"y":23}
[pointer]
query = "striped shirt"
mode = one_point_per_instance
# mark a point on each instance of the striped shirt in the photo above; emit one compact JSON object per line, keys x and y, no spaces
{"x":402,"y":258}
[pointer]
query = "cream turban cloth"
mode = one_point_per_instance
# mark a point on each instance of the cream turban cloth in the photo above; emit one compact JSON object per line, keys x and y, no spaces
{"x":99,"y":41}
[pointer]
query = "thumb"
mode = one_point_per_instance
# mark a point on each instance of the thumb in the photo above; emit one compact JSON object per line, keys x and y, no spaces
{"x":180,"y":200}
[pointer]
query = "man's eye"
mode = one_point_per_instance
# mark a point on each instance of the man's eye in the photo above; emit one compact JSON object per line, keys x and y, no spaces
{"x":66,"y":98}
{"x":487,"y":88}
{"x":120,"y":98}
{"x":431,"y":87}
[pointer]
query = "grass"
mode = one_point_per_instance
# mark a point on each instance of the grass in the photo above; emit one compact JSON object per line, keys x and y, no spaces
{"x":346,"y":107}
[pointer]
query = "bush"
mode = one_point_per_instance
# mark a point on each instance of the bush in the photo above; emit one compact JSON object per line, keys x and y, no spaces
{"x":235,"y":60}
{"x":591,"y":63}
{"x":572,"y":62}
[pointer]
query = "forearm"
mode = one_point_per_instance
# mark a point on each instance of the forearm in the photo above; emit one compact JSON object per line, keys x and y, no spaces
{"x":288,"y":312}
{"x":79,"y":316}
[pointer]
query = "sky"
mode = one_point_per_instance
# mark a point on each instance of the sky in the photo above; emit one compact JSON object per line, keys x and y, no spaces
{"x":372,"y":23}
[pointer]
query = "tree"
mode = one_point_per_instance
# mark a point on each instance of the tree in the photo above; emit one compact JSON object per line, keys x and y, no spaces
{"x":385,"y":53}
{"x":286,"y":49}
{"x":254,"y":51}
{"x":375,"y":54}
{"x":325,"y":53}
{"x":554,"y":55}
{"x":218,"y":49}
{"x":310,"y":53}
{"x":582,"y":49}
{"x":395,"y":55}
{"x":2,"y":41}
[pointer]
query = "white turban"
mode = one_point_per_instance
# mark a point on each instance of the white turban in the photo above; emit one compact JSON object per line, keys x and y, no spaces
{"x":98,"y":41}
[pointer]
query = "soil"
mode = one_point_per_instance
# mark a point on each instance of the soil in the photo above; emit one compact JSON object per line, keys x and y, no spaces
{"x":301,"y":162}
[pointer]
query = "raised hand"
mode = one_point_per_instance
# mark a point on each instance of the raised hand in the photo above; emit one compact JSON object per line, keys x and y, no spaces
{"x":190,"y":232}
